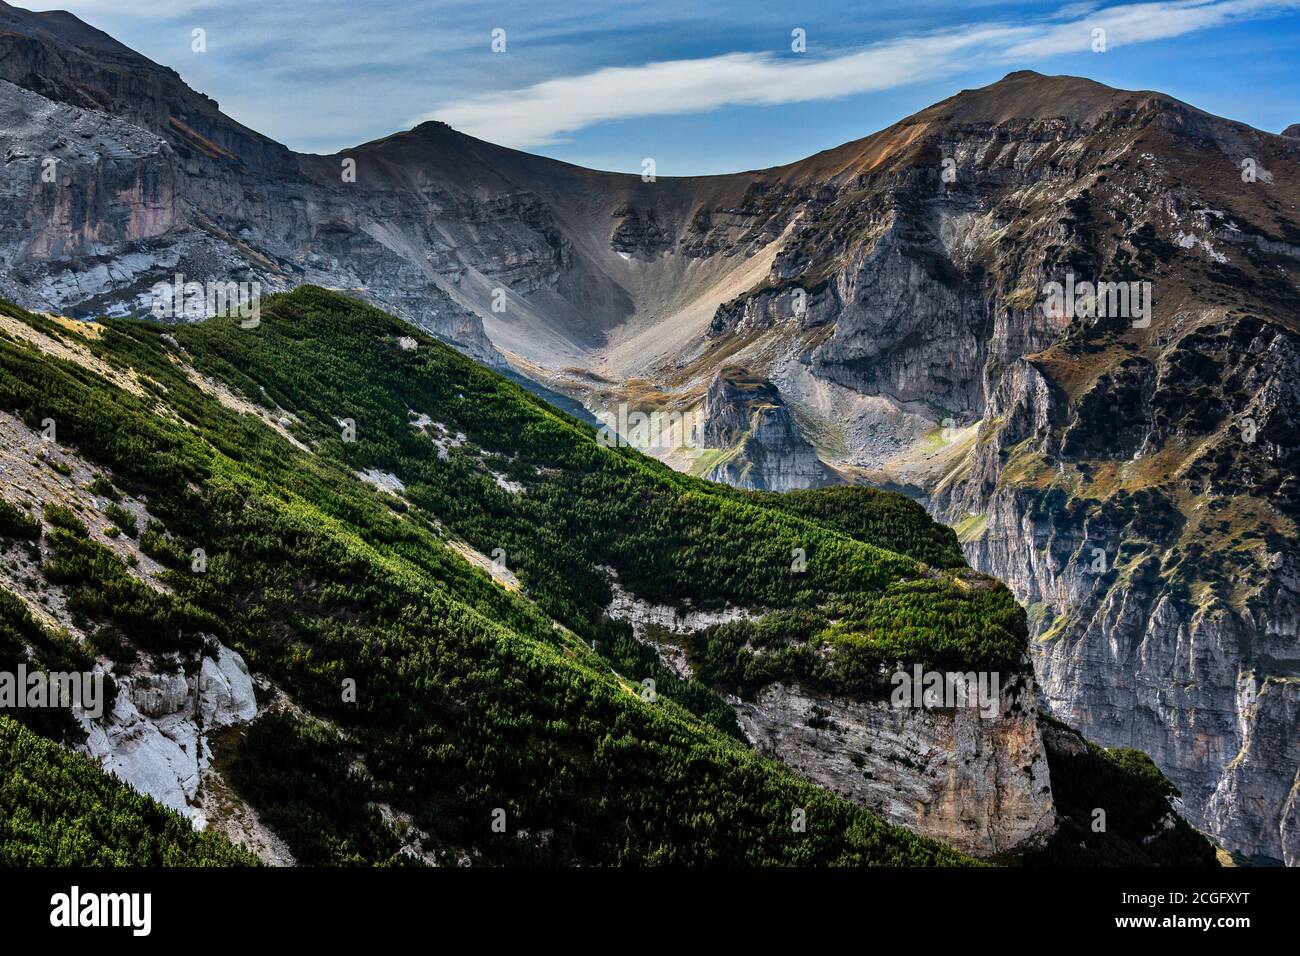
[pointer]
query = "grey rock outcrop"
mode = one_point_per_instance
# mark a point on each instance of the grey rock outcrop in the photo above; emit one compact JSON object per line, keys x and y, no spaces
{"x":980,"y":785}
{"x":765,"y":448}
{"x":976,"y":780}
{"x":155,"y":739}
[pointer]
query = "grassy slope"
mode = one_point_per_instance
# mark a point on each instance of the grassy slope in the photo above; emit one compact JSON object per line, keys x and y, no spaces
{"x":469,"y":698}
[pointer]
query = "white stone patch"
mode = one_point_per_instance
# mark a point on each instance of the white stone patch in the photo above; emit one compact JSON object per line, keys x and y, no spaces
{"x":157,"y":757}
{"x":226,"y":690}
{"x":403,"y":824}
{"x":514,"y":487}
{"x":152,"y":740}
{"x":1187,"y":240}
{"x":626,"y":606}
{"x":642,"y":615}
{"x":444,"y":440}
{"x":383,"y":480}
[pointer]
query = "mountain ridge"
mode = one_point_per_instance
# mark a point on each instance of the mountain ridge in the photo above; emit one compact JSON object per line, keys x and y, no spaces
{"x":890,"y":292}
{"x":484,"y":689}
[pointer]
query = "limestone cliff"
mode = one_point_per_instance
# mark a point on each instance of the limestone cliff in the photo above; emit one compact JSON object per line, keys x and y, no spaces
{"x":761,"y":445}
{"x":977,"y":784}
{"x":976,"y":780}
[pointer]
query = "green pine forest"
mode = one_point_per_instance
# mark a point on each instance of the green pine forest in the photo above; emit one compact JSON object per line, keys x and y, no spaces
{"x":474,"y":703}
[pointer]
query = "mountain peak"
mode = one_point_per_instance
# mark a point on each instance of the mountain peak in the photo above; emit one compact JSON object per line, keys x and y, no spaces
{"x":66,"y":27}
{"x":1019,"y":74}
{"x":1026,"y":94}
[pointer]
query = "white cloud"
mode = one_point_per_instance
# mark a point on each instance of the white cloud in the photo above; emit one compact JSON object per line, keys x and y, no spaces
{"x":1141,"y":23}
{"x":546,"y":111}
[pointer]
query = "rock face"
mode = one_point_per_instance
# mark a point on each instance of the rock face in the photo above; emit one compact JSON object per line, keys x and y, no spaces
{"x":119,"y":177}
{"x":1261,"y":775}
{"x":155,"y":738}
{"x":226,"y":690}
{"x":764,"y":447}
{"x":1165,"y":616}
{"x":1127,"y":464}
{"x":979,"y":785}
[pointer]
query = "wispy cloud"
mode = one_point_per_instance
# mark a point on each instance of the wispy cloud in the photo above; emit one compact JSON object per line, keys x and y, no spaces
{"x":545,"y":112}
{"x":1142,"y":23}
{"x":323,"y":75}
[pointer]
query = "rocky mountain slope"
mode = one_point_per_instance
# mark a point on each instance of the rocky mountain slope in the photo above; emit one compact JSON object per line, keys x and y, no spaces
{"x":759,"y":442}
{"x":358,"y":599}
{"x":358,"y":616}
{"x":878,"y":312}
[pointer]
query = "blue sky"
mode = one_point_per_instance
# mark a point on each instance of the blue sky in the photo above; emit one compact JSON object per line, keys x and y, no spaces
{"x":700,"y":87}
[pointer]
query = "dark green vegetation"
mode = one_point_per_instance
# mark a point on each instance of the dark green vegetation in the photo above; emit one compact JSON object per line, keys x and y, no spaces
{"x":871,"y":516}
{"x":1141,"y":828}
{"x":470,"y":698}
{"x":302,"y":774}
{"x":671,"y":537}
{"x":17,"y":523}
{"x":23,"y":641}
{"x":57,"y":808}
{"x":122,"y":519}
